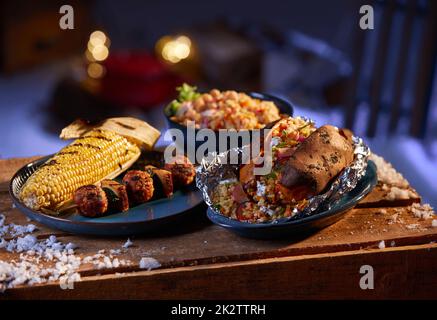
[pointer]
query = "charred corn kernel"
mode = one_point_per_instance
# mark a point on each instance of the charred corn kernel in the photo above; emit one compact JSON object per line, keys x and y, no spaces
{"x":87,"y":160}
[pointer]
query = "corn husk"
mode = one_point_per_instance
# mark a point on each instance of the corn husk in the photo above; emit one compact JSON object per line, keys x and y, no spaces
{"x":138,"y":131}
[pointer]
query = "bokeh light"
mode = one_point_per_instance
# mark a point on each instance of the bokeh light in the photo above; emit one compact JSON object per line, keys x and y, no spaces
{"x":98,"y":47}
{"x":100,"y":52}
{"x":97,"y":38}
{"x":174,"y":50}
{"x":95,"y":70}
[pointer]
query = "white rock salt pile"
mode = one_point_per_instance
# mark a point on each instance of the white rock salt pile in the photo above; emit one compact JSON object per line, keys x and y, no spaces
{"x":422,"y":211}
{"x":387,"y":174}
{"x":31,"y":267}
{"x":45,"y":260}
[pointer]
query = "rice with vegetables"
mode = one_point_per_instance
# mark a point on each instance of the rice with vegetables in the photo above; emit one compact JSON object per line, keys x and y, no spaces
{"x":221,"y":109}
{"x":262,"y":198}
{"x":250,"y":211}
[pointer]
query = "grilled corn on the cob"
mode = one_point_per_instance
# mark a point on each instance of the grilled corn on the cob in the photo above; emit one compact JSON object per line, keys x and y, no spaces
{"x":97,"y":155}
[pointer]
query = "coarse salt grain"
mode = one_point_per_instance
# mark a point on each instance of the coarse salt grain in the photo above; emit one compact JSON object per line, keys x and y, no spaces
{"x":149,"y":263}
{"x":70,"y":246}
{"x":381,"y":245}
{"x":3,"y":243}
{"x":127,"y":244}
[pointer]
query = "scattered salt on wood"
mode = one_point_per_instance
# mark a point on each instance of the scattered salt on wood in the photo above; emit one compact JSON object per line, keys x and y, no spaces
{"x":115,"y":252}
{"x":45,"y":260}
{"x":422,"y":211}
{"x":394,"y":218}
{"x":396,"y":193}
{"x":387,"y":174}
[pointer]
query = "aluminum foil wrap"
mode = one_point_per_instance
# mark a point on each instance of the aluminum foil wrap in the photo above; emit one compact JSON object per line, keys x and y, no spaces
{"x":215,"y":168}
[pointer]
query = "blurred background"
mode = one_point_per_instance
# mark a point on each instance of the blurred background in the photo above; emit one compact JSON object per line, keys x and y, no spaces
{"x":126,"y":57}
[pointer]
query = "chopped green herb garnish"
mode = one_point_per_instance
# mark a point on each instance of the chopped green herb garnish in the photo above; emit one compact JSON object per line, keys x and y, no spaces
{"x":304,"y":126}
{"x":186,"y":93}
{"x":281,"y":144}
{"x":172,"y":108}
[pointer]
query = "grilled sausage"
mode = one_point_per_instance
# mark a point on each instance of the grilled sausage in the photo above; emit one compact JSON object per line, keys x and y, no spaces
{"x":162,"y":180}
{"x":91,"y":201}
{"x":182,"y":170}
{"x":139,"y":186}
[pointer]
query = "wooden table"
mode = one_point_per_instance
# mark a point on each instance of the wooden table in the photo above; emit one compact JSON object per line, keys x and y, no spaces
{"x":203,"y":261}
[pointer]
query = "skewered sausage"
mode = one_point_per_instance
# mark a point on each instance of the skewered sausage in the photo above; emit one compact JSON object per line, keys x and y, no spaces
{"x":117,"y":195}
{"x":182,"y":170}
{"x":91,"y":201}
{"x":139,"y":186}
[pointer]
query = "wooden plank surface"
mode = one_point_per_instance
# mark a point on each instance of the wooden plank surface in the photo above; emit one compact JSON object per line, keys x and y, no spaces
{"x":400,"y":273}
{"x":196,"y":243}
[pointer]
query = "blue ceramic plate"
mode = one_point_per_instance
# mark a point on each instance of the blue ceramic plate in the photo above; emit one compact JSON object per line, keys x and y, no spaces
{"x":139,"y":219}
{"x":295,"y":227}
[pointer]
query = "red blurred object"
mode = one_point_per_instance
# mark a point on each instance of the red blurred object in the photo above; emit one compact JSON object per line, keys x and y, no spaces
{"x":137,"y":79}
